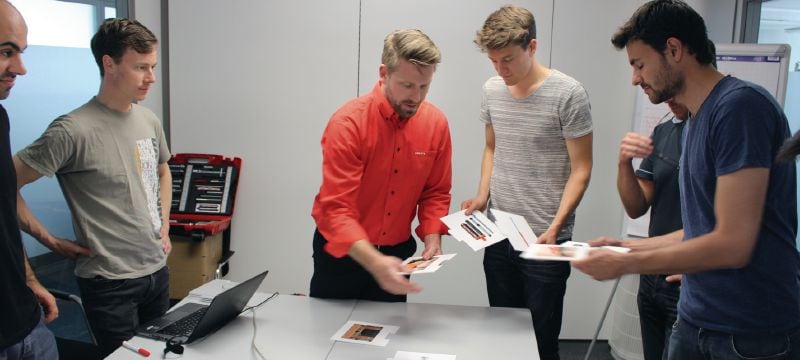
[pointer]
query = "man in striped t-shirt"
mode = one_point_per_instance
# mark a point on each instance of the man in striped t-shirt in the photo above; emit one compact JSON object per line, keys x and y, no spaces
{"x":536,"y":163}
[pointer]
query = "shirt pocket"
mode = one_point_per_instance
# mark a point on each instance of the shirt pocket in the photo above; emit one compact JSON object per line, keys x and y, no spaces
{"x":421,"y":163}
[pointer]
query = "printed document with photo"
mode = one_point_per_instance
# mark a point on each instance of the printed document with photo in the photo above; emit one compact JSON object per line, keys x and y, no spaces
{"x":359,"y":332}
{"x":476,"y":230}
{"x":555,"y":252}
{"x":418,"y":265}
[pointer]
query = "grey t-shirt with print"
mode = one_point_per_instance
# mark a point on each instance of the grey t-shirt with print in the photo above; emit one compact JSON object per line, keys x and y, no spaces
{"x":106,"y":163}
{"x":531,"y":163}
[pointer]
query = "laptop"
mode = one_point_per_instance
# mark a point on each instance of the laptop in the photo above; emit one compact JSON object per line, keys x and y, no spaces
{"x":193,"y":321}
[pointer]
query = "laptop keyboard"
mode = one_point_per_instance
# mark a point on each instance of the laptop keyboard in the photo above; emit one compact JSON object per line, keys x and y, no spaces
{"x":185,"y":326}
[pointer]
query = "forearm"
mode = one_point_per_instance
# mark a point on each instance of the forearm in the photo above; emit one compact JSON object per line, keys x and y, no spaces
{"x":707,"y":252}
{"x":655,"y":242}
{"x":630,"y":192}
{"x":165,"y":193}
{"x":487,"y":165}
{"x":30,"y":276}
{"x":364,"y":253}
{"x":573,"y":193}
{"x":30,"y":224}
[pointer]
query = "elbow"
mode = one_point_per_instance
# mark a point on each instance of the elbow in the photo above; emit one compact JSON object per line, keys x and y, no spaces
{"x":739,"y":260}
{"x":635,"y":213}
{"x":737,"y":257}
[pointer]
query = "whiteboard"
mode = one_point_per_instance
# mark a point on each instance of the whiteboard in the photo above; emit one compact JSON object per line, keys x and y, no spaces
{"x":763,"y":64}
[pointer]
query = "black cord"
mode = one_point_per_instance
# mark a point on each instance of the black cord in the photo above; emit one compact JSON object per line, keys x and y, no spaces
{"x":259,"y":304}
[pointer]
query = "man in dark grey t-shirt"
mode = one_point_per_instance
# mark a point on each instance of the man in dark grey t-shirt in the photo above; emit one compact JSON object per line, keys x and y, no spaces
{"x":110,"y":157}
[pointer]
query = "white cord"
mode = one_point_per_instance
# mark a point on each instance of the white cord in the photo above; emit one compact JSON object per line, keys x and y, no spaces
{"x":255,"y":328}
{"x":253,"y":343}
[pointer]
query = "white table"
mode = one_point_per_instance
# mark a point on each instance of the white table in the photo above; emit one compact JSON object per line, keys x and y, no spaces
{"x":297,"y":327}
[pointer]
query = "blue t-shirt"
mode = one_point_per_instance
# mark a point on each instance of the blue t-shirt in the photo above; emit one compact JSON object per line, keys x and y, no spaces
{"x":741,"y":125}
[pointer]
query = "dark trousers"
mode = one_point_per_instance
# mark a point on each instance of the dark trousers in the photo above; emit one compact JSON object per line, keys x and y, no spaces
{"x":688,"y":342}
{"x":512,"y":281}
{"x":658,"y":310}
{"x":344,"y":278}
{"x":116,"y":307}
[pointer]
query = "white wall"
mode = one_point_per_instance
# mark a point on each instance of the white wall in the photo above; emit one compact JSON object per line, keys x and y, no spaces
{"x":259,"y":80}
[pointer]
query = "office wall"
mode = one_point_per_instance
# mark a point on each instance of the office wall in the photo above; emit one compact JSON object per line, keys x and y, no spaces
{"x":259,"y":80}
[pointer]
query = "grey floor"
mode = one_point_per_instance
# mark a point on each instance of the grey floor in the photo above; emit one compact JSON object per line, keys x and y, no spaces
{"x":576,"y":350}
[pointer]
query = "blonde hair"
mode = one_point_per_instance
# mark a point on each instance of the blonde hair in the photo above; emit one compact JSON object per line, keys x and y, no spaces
{"x":510,"y":25}
{"x":411,"y":45}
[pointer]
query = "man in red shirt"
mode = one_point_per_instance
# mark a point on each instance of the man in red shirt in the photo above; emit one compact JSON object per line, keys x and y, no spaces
{"x":385,"y":157}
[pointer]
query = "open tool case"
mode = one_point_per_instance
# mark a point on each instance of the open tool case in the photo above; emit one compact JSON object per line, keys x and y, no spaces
{"x":203,"y":197}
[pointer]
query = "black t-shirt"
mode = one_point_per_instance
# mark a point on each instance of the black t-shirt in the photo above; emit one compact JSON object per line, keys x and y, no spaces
{"x":19,"y":310}
{"x":661,"y":167}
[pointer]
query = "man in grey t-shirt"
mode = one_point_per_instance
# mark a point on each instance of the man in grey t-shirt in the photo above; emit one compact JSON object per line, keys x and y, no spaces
{"x":536,"y":163}
{"x":110,"y":157}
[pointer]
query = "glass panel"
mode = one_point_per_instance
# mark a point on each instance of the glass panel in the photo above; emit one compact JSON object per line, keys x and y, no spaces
{"x":62,"y":75}
{"x":73,"y":26}
{"x":110,"y":12}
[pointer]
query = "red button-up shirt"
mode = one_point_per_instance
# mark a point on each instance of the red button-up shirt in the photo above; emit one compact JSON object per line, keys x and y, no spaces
{"x":377,"y":171}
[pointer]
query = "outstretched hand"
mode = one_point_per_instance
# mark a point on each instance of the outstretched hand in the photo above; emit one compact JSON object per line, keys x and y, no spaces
{"x":387,"y":272}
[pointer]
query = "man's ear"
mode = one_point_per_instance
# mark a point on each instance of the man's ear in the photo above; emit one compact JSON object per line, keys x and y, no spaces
{"x":674,"y":49}
{"x":383,"y":71}
{"x":532,"y":46}
{"x":108,"y":64}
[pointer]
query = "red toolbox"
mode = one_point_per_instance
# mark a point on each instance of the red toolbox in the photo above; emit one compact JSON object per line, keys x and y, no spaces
{"x":203,"y":197}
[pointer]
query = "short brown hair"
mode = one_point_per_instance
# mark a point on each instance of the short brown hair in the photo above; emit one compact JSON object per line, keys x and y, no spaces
{"x":410,"y":45}
{"x":510,"y":25}
{"x":115,"y":36}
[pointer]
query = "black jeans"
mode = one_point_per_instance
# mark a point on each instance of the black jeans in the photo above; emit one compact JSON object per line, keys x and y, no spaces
{"x":512,"y":281}
{"x":344,"y":278}
{"x":658,"y":310}
{"x":116,"y":307}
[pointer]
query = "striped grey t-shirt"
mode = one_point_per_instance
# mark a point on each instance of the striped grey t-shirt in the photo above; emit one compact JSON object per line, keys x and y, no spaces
{"x":531,"y":163}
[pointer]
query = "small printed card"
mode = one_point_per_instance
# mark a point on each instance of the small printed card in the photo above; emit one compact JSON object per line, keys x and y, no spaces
{"x":555,"y":252}
{"x":567,"y":251}
{"x":359,"y":332}
{"x":418,"y":265}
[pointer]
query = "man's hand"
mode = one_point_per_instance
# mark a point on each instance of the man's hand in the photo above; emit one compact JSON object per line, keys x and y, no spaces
{"x":433,"y":246}
{"x":548,"y":237}
{"x":67,"y":248}
{"x":46,"y":299}
{"x":166,"y":243}
{"x":635,"y":145}
{"x":604,"y":241}
{"x":476,"y":203}
{"x":603,"y":264}
{"x":386,"y":270}
{"x":678,"y":278}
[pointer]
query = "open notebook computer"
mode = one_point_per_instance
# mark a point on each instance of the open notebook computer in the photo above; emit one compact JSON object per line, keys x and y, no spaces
{"x":193,"y":321}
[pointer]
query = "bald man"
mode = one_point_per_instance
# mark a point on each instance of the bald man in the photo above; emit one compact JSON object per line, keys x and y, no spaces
{"x":23,"y":334}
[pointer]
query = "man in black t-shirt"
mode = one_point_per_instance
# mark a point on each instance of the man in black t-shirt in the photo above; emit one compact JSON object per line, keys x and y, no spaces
{"x":654,"y":186}
{"x":22,"y":330}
